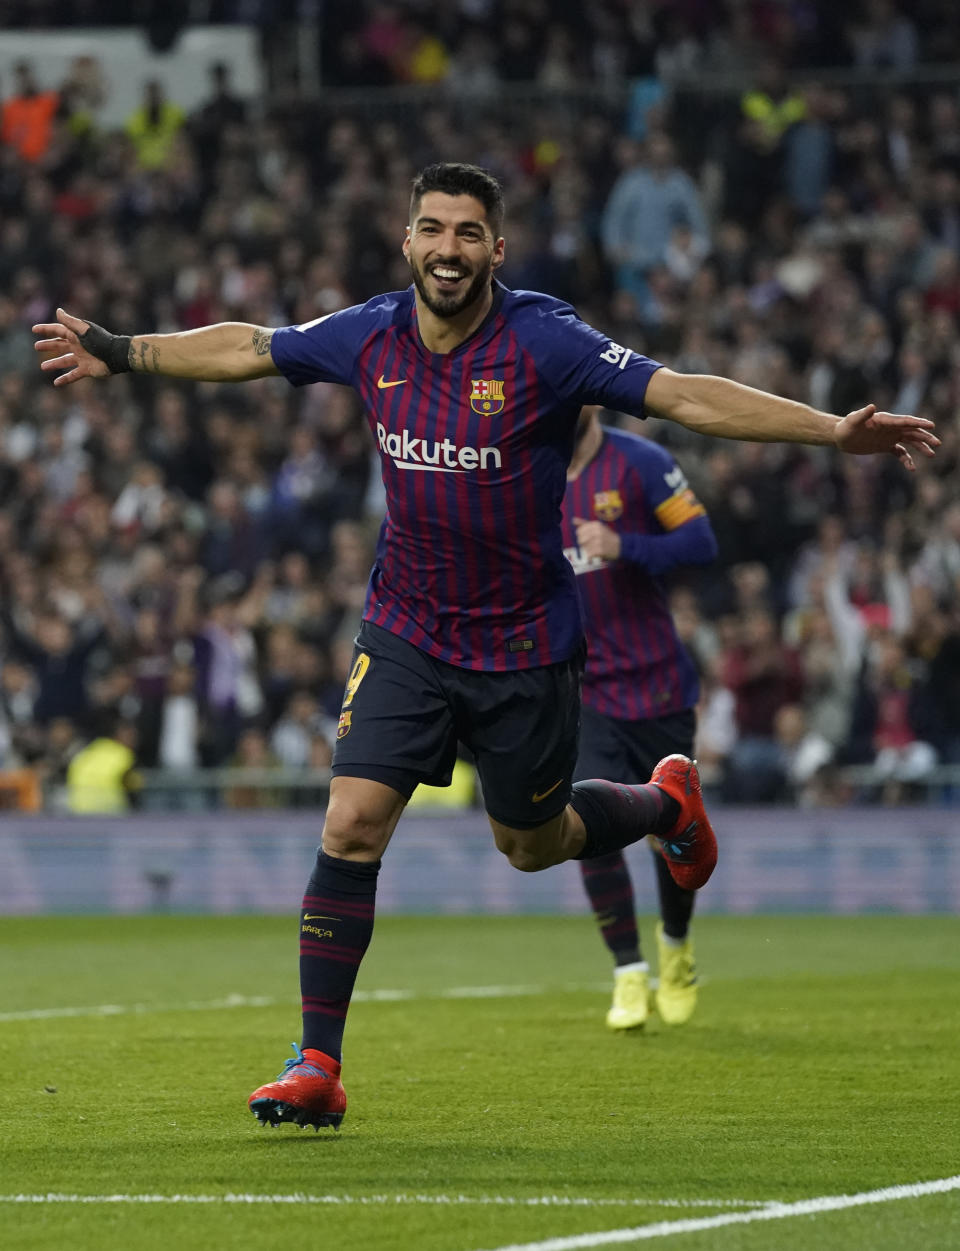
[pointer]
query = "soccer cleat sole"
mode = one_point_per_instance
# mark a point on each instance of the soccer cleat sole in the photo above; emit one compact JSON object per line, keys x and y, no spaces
{"x":620,"y":1024}
{"x":276,"y":1113}
{"x":679,"y":776}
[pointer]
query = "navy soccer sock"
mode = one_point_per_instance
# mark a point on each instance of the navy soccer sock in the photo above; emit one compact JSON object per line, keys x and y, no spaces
{"x":615,"y":815}
{"x":608,"y":885}
{"x":676,"y":904}
{"x":336,"y":924}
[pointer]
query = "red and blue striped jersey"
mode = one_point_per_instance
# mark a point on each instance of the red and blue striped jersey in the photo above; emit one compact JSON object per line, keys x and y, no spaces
{"x":474,"y":446}
{"x":637,"y":667}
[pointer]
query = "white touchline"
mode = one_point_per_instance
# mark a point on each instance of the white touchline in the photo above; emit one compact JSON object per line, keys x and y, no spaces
{"x":772,"y":1212}
{"x":136,"y":1009}
{"x":264,"y":1001}
{"x":548,"y":1201}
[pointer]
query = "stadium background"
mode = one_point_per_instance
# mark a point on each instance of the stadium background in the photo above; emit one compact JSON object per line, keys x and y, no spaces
{"x":182,"y":567}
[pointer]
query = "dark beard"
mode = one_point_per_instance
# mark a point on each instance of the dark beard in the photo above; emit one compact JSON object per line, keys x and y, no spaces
{"x":450,"y":305}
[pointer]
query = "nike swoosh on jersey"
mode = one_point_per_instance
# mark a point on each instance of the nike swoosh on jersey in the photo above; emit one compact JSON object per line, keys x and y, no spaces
{"x":539,"y":796}
{"x":382,"y":385}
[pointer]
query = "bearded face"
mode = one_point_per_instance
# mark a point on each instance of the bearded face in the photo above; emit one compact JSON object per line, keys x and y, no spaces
{"x":452,"y":252}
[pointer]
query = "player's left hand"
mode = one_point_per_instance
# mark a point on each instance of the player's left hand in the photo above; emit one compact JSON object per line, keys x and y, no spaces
{"x":865,"y":431}
{"x":597,"y":540}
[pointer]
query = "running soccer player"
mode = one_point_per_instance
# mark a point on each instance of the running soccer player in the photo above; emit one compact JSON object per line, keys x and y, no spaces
{"x":472,"y":627}
{"x":628,"y":518}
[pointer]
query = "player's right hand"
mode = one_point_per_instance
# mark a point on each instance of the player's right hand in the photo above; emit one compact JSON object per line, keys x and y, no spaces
{"x":62,"y":349}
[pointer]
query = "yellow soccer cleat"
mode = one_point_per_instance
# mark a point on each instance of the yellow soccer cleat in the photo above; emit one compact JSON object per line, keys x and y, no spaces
{"x":631,"y":995}
{"x":676,"y":994}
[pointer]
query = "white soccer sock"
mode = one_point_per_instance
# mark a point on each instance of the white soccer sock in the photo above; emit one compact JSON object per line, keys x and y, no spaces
{"x":636,"y":967}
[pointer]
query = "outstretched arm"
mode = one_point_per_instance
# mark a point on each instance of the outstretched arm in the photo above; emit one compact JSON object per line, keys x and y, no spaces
{"x":729,"y":410}
{"x":231,"y":351}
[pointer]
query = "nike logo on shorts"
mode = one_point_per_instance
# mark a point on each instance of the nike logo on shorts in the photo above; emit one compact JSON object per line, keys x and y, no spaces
{"x":539,"y":796}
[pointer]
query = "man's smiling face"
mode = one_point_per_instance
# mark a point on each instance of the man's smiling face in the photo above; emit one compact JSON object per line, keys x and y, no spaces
{"x":452,"y":252}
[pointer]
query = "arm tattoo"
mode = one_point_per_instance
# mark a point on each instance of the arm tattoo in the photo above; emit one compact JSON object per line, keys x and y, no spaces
{"x":261,"y":341}
{"x":145,"y":359}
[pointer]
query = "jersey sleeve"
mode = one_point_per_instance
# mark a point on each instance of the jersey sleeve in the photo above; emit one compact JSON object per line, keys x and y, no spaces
{"x":324,"y":350}
{"x":680,"y":532}
{"x":665,"y":487}
{"x":583,"y":366}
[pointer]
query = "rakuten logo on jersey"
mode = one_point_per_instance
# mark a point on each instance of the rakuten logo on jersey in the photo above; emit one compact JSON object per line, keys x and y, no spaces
{"x":437,"y":457}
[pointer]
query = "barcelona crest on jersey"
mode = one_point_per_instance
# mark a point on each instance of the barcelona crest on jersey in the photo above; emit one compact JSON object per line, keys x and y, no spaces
{"x":343,"y":728}
{"x":487,"y":396}
{"x":608,"y":505}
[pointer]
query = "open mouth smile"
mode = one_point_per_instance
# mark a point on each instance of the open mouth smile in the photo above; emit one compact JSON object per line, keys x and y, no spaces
{"x":447,"y":277}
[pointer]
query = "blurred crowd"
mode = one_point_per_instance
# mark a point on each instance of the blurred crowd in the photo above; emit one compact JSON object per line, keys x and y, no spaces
{"x":475,"y":43}
{"x":182,"y":567}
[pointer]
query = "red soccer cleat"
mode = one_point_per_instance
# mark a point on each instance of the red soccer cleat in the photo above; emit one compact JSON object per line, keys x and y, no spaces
{"x":307,"y":1092}
{"x":690,"y":849}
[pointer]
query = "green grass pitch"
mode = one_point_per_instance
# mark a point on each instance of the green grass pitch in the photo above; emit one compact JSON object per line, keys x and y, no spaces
{"x":823,"y":1060}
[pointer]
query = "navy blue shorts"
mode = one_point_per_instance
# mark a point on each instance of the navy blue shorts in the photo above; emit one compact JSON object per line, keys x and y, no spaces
{"x":404,"y":713}
{"x":626,"y":751}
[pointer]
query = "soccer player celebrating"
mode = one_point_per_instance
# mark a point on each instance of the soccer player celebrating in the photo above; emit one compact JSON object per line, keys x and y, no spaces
{"x":628,"y":518}
{"x":471,"y":628}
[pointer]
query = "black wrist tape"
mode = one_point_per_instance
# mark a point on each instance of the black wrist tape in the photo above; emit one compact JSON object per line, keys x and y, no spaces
{"x":112,"y":349}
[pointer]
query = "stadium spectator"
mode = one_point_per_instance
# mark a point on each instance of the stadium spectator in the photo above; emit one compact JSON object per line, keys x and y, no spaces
{"x":27,"y":117}
{"x":884,"y":38}
{"x":936,"y":645}
{"x":771,"y":104}
{"x":716,"y":727}
{"x":99,"y":775}
{"x":178,"y":722}
{"x":473,"y":68}
{"x":153,"y":128}
{"x":215,"y":117}
{"x":763,"y":675}
{"x":180,"y":449}
{"x":62,"y":742}
{"x":22,"y":737}
{"x":143,"y":501}
{"x":648,"y":201}
{"x":59,"y":655}
{"x":82,"y":94}
{"x":302,"y":496}
{"x":891,"y":718}
{"x":810,"y":150}
{"x":225,"y":657}
{"x":15,"y":346}
{"x":425,"y":58}
{"x":291,"y":739}
{"x":253,"y":752}
{"x":235,"y":539}
{"x":804,"y":754}
{"x":937,"y":565}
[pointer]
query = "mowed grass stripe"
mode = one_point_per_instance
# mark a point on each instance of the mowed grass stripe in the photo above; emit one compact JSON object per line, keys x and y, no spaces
{"x":532,"y":1201}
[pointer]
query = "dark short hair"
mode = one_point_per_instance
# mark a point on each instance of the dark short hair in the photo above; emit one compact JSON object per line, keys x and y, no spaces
{"x":457,"y":178}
